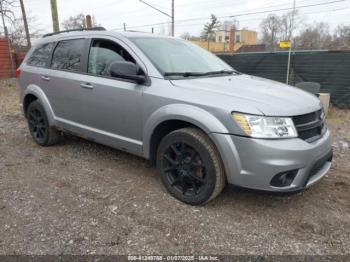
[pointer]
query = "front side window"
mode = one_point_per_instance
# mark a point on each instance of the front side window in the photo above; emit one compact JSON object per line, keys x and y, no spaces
{"x":41,"y":55}
{"x":67,"y":55}
{"x":102,"y":54}
{"x":175,"y":56}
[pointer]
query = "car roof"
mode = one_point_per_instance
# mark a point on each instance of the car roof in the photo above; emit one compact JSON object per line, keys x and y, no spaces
{"x":66,"y":35}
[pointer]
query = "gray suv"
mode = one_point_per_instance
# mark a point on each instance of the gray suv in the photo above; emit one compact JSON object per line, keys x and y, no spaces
{"x":203,"y":124}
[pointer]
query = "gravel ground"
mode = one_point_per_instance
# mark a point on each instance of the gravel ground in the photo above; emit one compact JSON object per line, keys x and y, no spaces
{"x":83,"y":198}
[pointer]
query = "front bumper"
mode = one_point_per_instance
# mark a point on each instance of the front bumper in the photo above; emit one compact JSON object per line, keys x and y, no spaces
{"x":252,"y":163}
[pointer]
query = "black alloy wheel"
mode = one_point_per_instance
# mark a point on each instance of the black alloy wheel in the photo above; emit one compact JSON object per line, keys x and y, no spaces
{"x":38,"y":124}
{"x":185,"y":170}
{"x":190,"y":166}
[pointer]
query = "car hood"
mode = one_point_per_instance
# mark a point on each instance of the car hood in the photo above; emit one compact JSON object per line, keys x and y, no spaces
{"x":267,"y":96}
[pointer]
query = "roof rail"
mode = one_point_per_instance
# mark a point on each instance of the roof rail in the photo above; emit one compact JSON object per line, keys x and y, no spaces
{"x":99,"y":28}
{"x":136,"y":31}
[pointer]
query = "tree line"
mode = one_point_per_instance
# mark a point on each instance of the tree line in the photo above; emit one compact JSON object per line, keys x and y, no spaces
{"x":317,"y":35}
{"x":275,"y":28}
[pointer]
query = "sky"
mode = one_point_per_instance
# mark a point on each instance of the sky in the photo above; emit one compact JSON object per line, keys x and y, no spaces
{"x":113,"y":13}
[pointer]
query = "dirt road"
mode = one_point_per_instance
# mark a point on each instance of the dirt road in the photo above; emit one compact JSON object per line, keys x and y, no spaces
{"x":83,"y":198}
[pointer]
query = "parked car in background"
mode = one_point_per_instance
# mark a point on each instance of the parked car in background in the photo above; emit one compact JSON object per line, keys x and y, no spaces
{"x":201,"y":122}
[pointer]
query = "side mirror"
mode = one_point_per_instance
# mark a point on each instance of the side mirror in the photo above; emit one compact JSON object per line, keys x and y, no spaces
{"x":126,"y":70}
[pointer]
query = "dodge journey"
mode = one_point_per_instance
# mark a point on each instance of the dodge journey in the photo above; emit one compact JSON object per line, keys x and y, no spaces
{"x":203,"y":124}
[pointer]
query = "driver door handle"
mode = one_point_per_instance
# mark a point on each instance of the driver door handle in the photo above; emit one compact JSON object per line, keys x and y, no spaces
{"x":86,"y":85}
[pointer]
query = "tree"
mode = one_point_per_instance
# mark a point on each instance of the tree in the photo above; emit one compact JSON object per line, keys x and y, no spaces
{"x":315,"y":36}
{"x":17,"y":33}
{"x":77,"y":22}
{"x":341,"y":37}
{"x":227,"y":25}
{"x":271,"y":28}
{"x":286,"y":24}
{"x":209,"y":28}
{"x":7,"y":15}
{"x":74,"y":22}
{"x":186,"y":36}
{"x":15,"y":28}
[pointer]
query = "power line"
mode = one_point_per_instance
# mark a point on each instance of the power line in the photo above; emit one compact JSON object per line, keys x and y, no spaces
{"x":200,"y":7}
{"x":255,"y":19}
{"x":186,"y":4}
{"x":155,"y":8}
{"x":238,"y":15}
{"x":285,"y":9}
{"x":206,"y":18}
{"x":164,"y":13}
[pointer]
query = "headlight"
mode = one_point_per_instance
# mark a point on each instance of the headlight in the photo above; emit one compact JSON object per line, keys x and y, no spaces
{"x":266,"y":127}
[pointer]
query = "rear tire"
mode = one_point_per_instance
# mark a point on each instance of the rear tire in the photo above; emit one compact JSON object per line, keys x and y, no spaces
{"x":41,"y":131}
{"x":190,"y":166}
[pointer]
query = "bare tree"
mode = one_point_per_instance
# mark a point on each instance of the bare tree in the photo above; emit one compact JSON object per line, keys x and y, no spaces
{"x":271,"y":28}
{"x":78,"y":22}
{"x":286,"y":23}
{"x":6,"y":13}
{"x":316,"y":36}
{"x":341,"y":37}
{"x":17,"y":32}
{"x":227,"y":25}
{"x":209,"y":28}
{"x":186,"y":36}
{"x":74,"y":22}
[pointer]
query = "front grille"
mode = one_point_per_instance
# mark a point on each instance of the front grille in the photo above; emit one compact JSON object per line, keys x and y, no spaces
{"x":304,"y":119}
{"x":310,"y":126}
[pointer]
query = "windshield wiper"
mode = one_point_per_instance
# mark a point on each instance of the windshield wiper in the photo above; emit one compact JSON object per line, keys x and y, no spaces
{"x":220,"y":72}
{"x":185,"y":74}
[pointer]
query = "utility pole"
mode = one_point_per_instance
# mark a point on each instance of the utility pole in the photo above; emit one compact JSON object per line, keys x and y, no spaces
{"x":88,"y":21}
{"x":25,"y":22}
{"x":54,"y":13}
{"x":172,"y":16}
{"x":124,"y":25}
{"x":291,"y":41}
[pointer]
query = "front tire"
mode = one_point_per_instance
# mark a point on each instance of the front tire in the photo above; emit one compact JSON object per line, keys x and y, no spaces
{"x":190,"y":166}
{"x":40,"y":130}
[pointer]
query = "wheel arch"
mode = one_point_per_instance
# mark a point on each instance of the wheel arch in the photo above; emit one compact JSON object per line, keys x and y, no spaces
{"x":172,"y":117}
{"x":32,"y":93}
{"x":29,"y":98}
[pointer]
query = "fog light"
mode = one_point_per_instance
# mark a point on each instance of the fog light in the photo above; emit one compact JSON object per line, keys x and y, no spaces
{"x":284,"y":178}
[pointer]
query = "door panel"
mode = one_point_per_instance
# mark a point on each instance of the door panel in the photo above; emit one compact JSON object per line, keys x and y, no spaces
{"x":63,"y":91}
{"x":61,"y":80}
{"x":111,"y":105}
{"x":93,"y":104}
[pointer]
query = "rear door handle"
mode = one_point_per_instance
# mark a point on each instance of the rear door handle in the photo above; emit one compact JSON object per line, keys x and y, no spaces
{"x":46,"y":78}
{"x":87,"y":85}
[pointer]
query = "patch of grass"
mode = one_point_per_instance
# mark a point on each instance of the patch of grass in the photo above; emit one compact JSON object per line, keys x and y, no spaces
{"x":333,"y":117}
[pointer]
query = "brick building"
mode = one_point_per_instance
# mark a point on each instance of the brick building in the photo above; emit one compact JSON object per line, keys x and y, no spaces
{"x":7,"y":64}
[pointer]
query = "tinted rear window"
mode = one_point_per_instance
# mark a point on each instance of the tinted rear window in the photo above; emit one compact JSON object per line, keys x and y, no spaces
{"x":67,"y":55}
{"x":41,"y":54}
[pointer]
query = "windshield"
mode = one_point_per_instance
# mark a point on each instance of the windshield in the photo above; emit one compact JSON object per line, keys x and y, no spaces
{"x":176,"y":57}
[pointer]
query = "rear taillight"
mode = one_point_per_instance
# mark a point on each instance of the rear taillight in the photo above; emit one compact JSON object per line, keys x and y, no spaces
{"x":18,"y":72}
